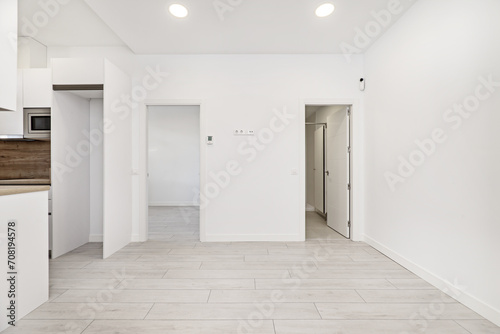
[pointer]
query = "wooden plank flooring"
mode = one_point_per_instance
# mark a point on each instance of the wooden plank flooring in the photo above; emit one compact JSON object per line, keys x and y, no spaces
{"x":175,"y":284}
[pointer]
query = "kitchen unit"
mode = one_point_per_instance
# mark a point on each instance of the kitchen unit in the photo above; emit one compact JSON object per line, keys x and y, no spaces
{"x":24,"y":233}
{"x":85,"y":206}
{"x":34,"y":91}
{"x":24,"y":242}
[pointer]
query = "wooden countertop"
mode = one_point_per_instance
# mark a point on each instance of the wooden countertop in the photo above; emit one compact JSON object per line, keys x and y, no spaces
{"x":17,"y":182}
{"x":13,"y":190}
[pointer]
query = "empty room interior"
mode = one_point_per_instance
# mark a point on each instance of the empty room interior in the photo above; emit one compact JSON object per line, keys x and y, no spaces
{"x":236,"y":166}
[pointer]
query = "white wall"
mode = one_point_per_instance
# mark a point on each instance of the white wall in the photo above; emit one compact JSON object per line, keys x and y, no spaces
{"x":442,"y":221}
{"x":245,"y":92}
{"x":242,"y":91}
{"x":239,"y":90}
{"x":174,"y":155}
{"x":96,"y":170}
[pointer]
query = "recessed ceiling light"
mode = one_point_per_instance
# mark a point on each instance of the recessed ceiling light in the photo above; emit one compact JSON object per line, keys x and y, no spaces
{"x":325,"y":9}
{"x":178,"y":10}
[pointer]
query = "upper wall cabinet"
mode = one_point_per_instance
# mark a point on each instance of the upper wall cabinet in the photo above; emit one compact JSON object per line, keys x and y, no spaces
{"x":78,"y":73}
{"x":37,"y":88}
{"x":8,"y":54}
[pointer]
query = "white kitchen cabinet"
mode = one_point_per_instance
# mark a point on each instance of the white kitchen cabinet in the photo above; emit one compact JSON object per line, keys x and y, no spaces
{"x":11,"y":123}
{"x":37,"y":88}
{"x":31,"y":260}
{"x":78,"y":71}
{"x":8,"y":55}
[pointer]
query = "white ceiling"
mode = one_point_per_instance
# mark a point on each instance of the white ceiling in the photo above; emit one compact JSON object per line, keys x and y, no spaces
{"x":72,"y":24}
{"x":253,"y":27}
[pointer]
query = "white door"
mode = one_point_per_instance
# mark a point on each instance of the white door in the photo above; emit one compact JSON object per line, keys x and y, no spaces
{"x":337,"y":179}
{"x":319,"y":170}
{"x":117,"y":168}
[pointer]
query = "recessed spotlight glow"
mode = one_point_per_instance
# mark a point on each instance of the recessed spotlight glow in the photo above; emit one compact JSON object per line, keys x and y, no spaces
{"x":325,"y":9}
{"x":178,"y":10}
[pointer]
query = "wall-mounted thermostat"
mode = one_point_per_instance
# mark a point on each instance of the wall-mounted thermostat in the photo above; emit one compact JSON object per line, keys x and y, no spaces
{"x":210,"y":140}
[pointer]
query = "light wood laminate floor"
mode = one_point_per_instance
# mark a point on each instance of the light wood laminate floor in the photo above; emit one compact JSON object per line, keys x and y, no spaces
{"x":175,"y":284}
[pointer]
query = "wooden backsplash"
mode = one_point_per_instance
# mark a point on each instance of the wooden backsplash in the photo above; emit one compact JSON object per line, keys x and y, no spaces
{"x":24,"y":160}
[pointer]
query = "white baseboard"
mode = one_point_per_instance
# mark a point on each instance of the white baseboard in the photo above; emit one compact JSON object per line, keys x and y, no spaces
{"x":173,"y":204}
{"x":252,"y":237}
{"x":99,"y":238}
{"x":310,"y":208}
{"x":95,"y":238}
{"x":449,"y":288}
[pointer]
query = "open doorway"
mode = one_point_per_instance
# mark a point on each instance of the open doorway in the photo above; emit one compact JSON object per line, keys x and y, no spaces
{"x":328,"y":161}
{"x":173,"y":172}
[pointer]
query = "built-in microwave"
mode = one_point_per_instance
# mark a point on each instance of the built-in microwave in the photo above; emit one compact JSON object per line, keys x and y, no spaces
{"x":37,"y":123}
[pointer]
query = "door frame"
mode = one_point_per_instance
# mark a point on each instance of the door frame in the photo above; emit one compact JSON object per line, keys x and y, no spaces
{"x":143,"y":161}
{"x":355,"y":170}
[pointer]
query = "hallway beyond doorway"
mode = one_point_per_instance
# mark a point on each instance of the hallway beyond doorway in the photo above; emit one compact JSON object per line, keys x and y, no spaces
{"x":317,"y":229}
{"x":328,"y":164}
